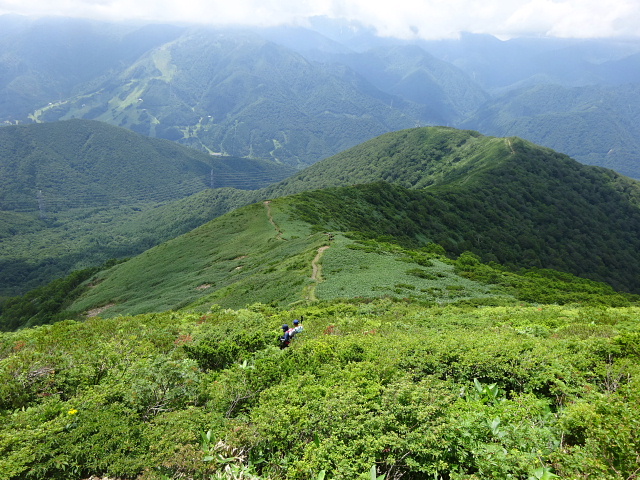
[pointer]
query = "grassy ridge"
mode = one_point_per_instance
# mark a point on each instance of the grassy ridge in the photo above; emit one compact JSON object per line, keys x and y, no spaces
{"x":243,"y":258}
{"x":501,"y":223}
{"x":506,"y":200}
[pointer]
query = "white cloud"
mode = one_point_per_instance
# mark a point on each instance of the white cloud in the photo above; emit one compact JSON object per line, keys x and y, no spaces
{"x":405,"y":18}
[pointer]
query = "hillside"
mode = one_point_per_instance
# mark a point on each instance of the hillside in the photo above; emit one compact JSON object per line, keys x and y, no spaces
{"x":234,"y":93}
{"x":75,"y":194}
{"x":505,"y":200}
{"x":53,"y":167}
{"x":44,"y":60}
{"x":597,"y":125}
{"x":445,"y":94}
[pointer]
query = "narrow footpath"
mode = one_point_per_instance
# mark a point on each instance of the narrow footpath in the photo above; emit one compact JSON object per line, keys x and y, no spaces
{"x":316,"y":274}
{"x":267,"y":204}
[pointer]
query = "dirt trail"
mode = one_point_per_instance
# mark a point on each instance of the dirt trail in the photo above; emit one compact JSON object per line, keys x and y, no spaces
{"x":510,"y":146}
{"x":267,"y":204}
{"x":315,"y":265}
{"x":97,"y":311}
{"x":316,"y":275}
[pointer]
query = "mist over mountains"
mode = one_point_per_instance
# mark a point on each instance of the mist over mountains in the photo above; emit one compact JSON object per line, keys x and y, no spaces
{"x":295,"y":95}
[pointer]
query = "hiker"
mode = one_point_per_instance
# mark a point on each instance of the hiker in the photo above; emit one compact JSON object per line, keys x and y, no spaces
{"x":285,"y":339}
{"x":289,"y":333}
{"x":297,"y":326}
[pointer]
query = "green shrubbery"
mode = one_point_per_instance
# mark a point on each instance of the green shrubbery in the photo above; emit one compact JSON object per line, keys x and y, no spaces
{"x":416,"y":392}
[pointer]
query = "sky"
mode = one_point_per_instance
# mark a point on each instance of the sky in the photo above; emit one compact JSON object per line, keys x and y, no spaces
{"x":427,"y":19}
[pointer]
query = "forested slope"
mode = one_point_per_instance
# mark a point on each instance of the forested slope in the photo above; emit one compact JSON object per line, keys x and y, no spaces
{"x":75,"y":194}
{"x":505,"y":200}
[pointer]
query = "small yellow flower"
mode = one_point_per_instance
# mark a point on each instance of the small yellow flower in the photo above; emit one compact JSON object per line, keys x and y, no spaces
{"x":73,"y":411}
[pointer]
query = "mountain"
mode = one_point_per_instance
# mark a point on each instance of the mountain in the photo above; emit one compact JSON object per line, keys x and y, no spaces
{"x":44,"y":61}
{"x":446,"y":94}
{"x":503,"y":199}
{"x":501,"y":65}
{"x":297,"y":95}
{"x":74,"y":194}
{"x":235,"y":93}
{"x":62,"y":165}
{"x":597,"y":124}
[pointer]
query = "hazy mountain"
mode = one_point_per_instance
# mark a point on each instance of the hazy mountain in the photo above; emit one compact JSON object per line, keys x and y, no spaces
{"x":445,"y":93}
{"x":45,"y":61}
{"x":232,"y":92}
{"x":296,"y":95}
{"x":499,"y":65}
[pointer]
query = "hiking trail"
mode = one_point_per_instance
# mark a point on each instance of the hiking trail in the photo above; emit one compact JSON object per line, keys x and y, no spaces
{"x":316,"y":274}
{"x":267,"y":204}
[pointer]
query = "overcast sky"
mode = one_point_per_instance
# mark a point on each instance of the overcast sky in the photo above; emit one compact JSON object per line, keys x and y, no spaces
{"x":401,"y":18}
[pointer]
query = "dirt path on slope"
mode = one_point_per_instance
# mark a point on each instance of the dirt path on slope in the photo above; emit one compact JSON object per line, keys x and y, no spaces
{"x":315,"y":265}
{"x":316,"y":274}
{"x":510,"y":146}
{"x":267,"y":204}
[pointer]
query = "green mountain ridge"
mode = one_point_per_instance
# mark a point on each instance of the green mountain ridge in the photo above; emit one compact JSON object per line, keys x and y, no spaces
{"x":414,"y":362}
{"x":88,"y":163}
{"x":505,"y":200}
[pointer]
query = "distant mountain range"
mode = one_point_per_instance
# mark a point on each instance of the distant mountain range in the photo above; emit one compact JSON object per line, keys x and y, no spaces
{"x":297,"y":95}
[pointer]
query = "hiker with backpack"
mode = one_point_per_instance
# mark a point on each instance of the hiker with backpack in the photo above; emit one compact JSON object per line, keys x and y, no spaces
{"x":289,"y":333}
{"x":285,"y":339}
{"x":297,"y":325}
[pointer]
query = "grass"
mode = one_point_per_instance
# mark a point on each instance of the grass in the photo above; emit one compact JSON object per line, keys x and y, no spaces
{"x":361,"y":371}
{"x":262,"y":254}
{"x":253,"y":264}
{"x":238,"y":257}
{"x":350,"y":272}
